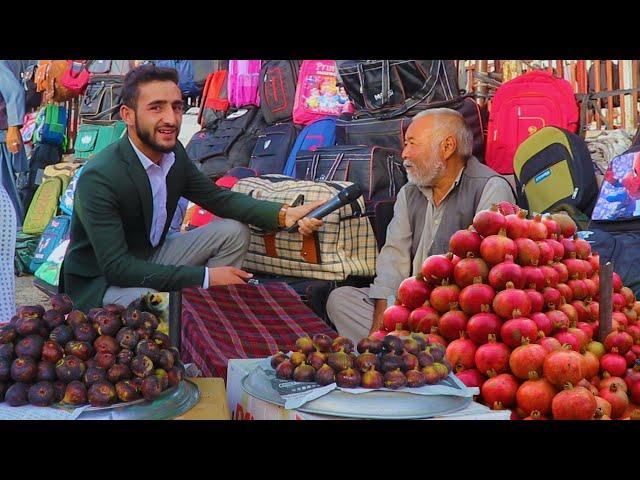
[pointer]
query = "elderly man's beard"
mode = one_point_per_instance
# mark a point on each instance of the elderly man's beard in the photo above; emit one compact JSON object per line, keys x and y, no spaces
{"x":428,"y":178}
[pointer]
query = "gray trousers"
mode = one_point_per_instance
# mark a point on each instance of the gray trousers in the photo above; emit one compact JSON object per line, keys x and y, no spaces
{"x":351,"y":311}
{"x":220,"y":243}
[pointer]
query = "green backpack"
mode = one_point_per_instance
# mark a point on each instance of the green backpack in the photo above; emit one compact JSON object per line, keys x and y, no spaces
{"x":25,"y":250}
{"x":93,"y":138}
{"x":44,"y":204}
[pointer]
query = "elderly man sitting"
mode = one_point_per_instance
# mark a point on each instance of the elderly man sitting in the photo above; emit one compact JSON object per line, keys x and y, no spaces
{"x":447,"y":186}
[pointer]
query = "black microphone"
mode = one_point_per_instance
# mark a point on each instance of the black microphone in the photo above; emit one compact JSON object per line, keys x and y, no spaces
{"x":343,"y":198}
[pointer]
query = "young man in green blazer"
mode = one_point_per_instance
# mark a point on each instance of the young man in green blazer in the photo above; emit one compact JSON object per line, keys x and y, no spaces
{"x":127,"y":195}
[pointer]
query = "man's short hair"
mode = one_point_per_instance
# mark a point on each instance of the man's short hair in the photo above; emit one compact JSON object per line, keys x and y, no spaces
{"x":144,"y":74}
{"x":452,"y":122}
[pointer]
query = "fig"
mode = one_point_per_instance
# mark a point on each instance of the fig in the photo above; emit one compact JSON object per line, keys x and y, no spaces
{"x":166,"y":360}
{"x":149,"y":348}
{"x":285,"y":370}
{"x":46,"y":372}
{"x":115,"y":309}
{"x":30,"y":346}
{"x":82,"y":350}
{"x":304,"y":373}
{"x":395,"y":379}
{"x":342,"y":344}
{"x":149,"y":321}
{"x":124,"y":356}
{"x":175,"y":376}
{"x":363,"y":345}
{"x":297,"y":358}
{"x":127,"y":391}
{"x":409,"y":362}
{"x":132,"y":318}
{"x":30,"y":311}
{"x":24,"y":370}
{"x":442,"y":370}
{"x":17,"y":395}
{"x":62,"y":303}
{"x":304,"y":345}
{"x":163,"y":377}
{"x":29,"y":326}
{"x":277,"y":359}
{"x":92,"y":313}
{"x":431,"y":375}
{"x":61,"y":335}
{"x":7,"y":334}
{"x":105,"y":360}
{"x":7,"y":351}
{"x":391,"y":362}
{"x":90,"y":363}
{"x":322,"y":342}
{"x":70,"y":368}
{"x":162,"y":340}
{"x":93,"y":375}
{"x":5,"y":369}
{"x":339,"y":361}
{"x":421,"y":339}
{"x":118,"y":372}
{"x":415,"y":379}
{"x":151,"y":387}
{"x":393,"y":343}
{"x":325,"y":375}
{"x":446,"y":363}
{"x":372,"y":379}
{"x":127,"y":338}
{"x":59,"y":388}
{"x":366,"y":361}
{"x":101,"y":394}
{"x":412,"y":346}
{"x":317,"y":359}
{"x":437,"y":351}
{"x":52,"y":319}
{"x":76,"y":318}
{"x":108,"y":324}
{"x":75,"y":393}
{"x":85,"y":333}
{"x":349,"y":378}
{"x":144,"y":333}
{"x":141,"y":366}
{"x":424,"y":359}
{"x":106,"y":343}
{"x":41,"y":394}
{"x":3,"y":389}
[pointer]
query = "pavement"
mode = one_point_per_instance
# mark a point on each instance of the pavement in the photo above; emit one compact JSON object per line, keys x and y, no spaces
{"x":28,"y":294}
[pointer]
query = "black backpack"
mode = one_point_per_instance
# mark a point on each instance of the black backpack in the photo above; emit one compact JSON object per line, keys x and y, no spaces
{"x":102,"y":99}
{"x":278,"y":81}
{"x":272,"y":148}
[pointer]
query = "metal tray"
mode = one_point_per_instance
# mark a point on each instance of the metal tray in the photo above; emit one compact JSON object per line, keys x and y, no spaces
{"x":382,"y":405}
{"x":171,"y":403}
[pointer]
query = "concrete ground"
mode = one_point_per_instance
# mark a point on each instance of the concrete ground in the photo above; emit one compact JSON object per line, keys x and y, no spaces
{"x":28,"y":294}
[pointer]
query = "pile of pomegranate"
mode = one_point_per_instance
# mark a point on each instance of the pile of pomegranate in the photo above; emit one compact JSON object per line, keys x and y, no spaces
{"x":515,"y":303}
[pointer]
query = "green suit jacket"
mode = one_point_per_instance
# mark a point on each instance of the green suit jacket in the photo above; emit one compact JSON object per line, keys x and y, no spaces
{"x":112,"y":217}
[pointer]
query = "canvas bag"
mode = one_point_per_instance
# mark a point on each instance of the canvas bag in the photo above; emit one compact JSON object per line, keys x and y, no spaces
{"x":345,"y":245}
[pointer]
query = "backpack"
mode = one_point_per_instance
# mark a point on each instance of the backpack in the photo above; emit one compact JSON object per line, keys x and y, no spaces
{"x":186,"y":80}
{"x":51,"y":125}
{"x":66,"y":200}
{"x":40,"y":76}
{"x":48,"y":80}
{"x":53,"y":235}
{"x":63,"y":168}
{"x":42,"y":156}
{"x":320,"y":133}
{"x":91,"y":139}
{"x":26,"y":245}
{"x":32,"y":96}
{"x":110,"y":67}
{"x":272,"y":148}
{"x":44,"y":204}
{"x":317,"y":92}
{"x":278,"y":81}
{"x":244,"y":80}
{"x":49,"y":271}
{"x":215,"y":103}
{"x":553,"y":167}
{"x":523,"y":106}
{"x":76,"y":77}
{"x":102,"y":99}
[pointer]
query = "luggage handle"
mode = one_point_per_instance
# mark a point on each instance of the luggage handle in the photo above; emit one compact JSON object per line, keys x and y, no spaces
{"x":385,"y":80}
{"x":334,"y":166}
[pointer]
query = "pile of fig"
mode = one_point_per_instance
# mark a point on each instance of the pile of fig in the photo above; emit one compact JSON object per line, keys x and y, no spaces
{"x":109,"y":355}
{"x":391,"y":362}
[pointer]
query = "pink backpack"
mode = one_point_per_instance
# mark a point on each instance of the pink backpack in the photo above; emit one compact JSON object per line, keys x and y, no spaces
{"x":523,"y":106}
{"x":244,"y":80}
{"x":76,"y":76}
{"x":318,"y":94}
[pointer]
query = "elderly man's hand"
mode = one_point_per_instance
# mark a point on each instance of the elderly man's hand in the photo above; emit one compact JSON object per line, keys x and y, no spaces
{"x":306,"y":226}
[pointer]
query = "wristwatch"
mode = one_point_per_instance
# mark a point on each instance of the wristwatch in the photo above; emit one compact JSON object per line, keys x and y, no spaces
{"x":282,"y":216}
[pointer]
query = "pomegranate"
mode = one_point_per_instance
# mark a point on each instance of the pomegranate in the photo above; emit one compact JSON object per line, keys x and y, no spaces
{"x":617,"y":282}
{"x":634,"y":331}
{"x":594,"y":311}
{"x":619,"y":321}
{"x":588,"y":385}
{"x":558,"y":249}
{"x":534,"y":278}
{"x":413,"y":292}
{"x":499,"y":391}
{"x":468,"y":269}
{"x":452,"y":323}
{"x":526,"y":358}
{"x":399,"y":332}
{"x":481,"y":325}
{"x":507,"y":302}
{"x":567,"y":226}
{"x":563,"y":271}
{"x":550,"y":344}
{"x":513,"y":331}
{"x":537,"y":229}
{"x":636,"y":349}
{"x":395,"y":315}
{"x":508,"y":208}
{"x":552,"y":297}
{"x":594,"y":260}
{"x":465,"y":243}
{"x":517,"y":225}
{"x":535,"y":394}
{"x":569,"y":248}
{"x":495,"y":248}
{"x":617,"y":398}
{"x":583,"y":248}
{"x":582,"y":337}
{"x":552,"y":226}
{"x":492,"y":357}
{"x":551,"y":276}
{"x":489,"y":222}
{"x":528,"y":251}
{"x":378,"y":335}
{"x":562,"y":366}
{"x":587,"y":269}
{"x":595,"y":278}
{"x":581,"y":311}
{"x":587,"y":329}
{"x":620,"y":340}
{"x":471,"y":377}
{"x":461,"y":353}
{"x":591,"y":364}
{"x":505,"y":272}
{"x":476,"y":296}
{"x":604,"y":407}
{"x":636,"y":307}
{"x":607,"y":380}
{"x":618,"y":301}
{"x":574,"y":404}
{"x":631,"y":315}
{"x":631,"y":358}
{"x":437,"y":268}
{"x":546,"y":253}
{"x":443,"y":296}
{"x":542,"y":322}
{"x":535,"y":415}
{"x":537,"y":300}
{"x":570,"y":311}
{"x":579,"y":289}
{"x":559,"y":319}
{"x":613,"y":363}
{"x":433,"y":337}
{"x":629,"y":296}
{"x":566,"y":338}
{"x":565,"y":291}
{"x":425,"y":317}
{"x":634,"y":392}
{"x":596,"y":348}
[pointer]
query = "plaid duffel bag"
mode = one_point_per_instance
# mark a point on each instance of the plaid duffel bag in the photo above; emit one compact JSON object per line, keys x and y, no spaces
{"x":344,"y":246}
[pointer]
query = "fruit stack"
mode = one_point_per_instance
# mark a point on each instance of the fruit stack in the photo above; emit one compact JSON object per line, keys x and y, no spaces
{"x":110,"y":355}
{"x":391,"y":362}
{"x":516,"y":303}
